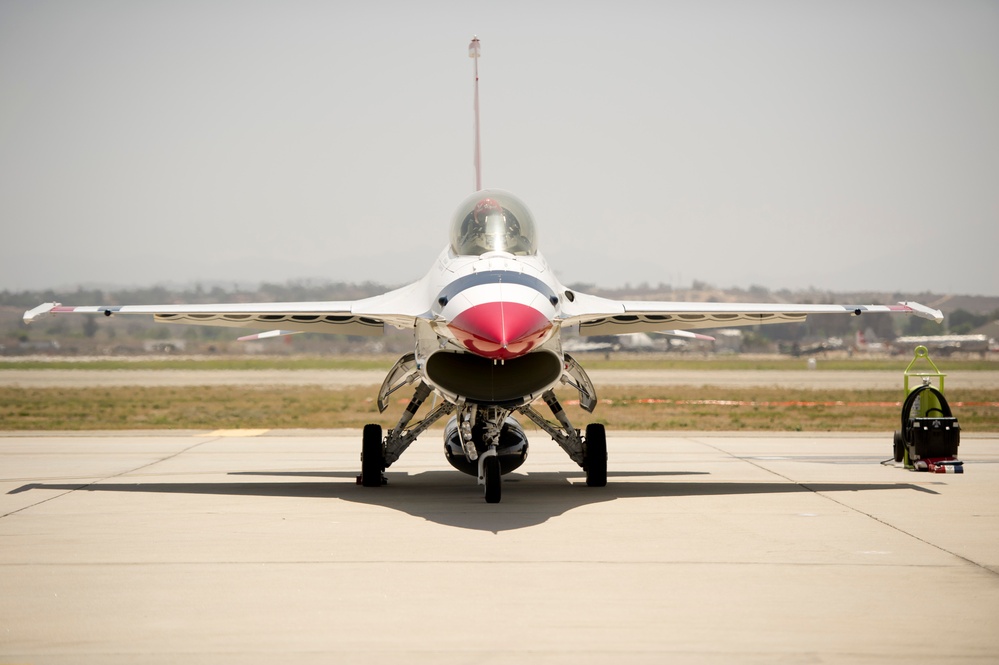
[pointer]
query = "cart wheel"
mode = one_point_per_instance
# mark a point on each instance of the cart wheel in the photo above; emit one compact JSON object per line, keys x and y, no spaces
{"x":899,"y":447}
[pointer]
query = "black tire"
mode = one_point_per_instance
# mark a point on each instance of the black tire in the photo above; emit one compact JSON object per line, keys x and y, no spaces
{"x":595,"y":455}
{"x":899,"y":447}
{"x":372,"y":457}
{"x":494,"y":484}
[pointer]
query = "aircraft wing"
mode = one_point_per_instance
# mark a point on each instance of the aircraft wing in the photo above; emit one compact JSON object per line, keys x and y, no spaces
{"x":368,"y":316}
{"x":602,"y":316}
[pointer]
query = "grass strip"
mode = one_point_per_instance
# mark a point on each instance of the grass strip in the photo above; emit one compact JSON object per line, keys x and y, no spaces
{"x":621,"y":407}
{"x":591,"y":362}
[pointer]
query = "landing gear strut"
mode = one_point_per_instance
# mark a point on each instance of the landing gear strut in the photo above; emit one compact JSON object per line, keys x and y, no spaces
{"x":378,"y":454}
{"x":490,"y":424}
{"x":589,"y":451}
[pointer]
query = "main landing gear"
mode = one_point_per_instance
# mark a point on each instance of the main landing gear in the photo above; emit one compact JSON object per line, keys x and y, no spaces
{"x":377,"y":454}
{"x":595,"y":455}
{"x":589,"y":451}
{"x":372,"y":458}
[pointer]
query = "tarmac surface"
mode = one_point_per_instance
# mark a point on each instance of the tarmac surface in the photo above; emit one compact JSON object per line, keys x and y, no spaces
{"x":258,"y":546}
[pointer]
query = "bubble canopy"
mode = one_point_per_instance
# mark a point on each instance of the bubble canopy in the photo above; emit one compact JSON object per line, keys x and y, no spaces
{"x":492,"y":220}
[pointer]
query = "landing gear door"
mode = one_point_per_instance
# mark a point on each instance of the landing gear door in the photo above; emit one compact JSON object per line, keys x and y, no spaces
{"x":576,"y":377}
{"x":403,"y":373}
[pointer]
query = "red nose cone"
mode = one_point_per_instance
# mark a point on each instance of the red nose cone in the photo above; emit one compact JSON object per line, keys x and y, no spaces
{"x":500,"y":330}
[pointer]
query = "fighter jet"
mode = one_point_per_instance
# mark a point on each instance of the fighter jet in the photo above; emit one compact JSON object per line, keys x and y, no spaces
{"x":487,"y":322}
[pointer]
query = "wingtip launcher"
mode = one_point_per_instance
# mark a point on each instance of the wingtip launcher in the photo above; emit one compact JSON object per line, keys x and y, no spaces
{"x":41,"y":311}
{"x":924,"y":311}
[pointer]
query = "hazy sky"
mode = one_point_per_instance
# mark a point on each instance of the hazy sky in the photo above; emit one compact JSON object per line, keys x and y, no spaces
{"x":840,"y":145}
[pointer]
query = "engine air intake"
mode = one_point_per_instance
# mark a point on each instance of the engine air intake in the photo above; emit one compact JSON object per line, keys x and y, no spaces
{"x":484,"y":381}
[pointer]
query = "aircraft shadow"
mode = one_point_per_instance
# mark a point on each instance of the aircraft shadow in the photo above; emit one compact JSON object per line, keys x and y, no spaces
{"x":450,"y":499}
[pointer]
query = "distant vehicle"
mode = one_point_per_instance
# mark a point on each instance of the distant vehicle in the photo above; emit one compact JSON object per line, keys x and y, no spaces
{"x":828,"y":344}
{"x":945,"y":344}
{"x":633,"y":343}
{"x":864,"y":346}
{"x":164,"y":345}
{"x":487,"y":323}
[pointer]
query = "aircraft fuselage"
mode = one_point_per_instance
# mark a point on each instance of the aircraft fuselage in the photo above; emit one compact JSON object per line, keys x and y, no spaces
{"x":493,"y":336}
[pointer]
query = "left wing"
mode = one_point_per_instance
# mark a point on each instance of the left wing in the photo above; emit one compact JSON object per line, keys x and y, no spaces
{"x":601,"y":316}
{"x":369,"y":316}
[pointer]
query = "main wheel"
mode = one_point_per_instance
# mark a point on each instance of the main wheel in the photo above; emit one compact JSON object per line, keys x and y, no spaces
{"x":494,"y":486}
{"x":372,"y":459}
{"x":595,"y":455}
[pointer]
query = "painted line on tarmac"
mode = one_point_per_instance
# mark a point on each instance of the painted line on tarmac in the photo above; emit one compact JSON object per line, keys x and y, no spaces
{"x":236,"y":432}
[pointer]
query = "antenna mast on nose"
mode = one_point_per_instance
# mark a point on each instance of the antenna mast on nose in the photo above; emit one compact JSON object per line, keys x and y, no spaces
{"x":473,"y":53}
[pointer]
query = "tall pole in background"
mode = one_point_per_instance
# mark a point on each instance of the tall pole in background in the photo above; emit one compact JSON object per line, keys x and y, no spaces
{"x":473,"y":53}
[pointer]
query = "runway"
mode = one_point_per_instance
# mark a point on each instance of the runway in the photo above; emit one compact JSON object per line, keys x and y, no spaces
{"x":807,"y":379}
{"x":253,"y":547}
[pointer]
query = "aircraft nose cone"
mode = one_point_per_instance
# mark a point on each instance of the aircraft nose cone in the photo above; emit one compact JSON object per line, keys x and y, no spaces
{"x":500,"y":330}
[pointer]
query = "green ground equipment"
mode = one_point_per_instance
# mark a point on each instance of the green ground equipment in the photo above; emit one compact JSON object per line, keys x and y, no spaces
{"x":930,"y":433}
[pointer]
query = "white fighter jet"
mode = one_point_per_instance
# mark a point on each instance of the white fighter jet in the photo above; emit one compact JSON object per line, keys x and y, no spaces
{"x":487,"y":323}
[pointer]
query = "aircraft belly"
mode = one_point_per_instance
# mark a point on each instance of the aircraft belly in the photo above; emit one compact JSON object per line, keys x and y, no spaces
{"x":511,"y":448}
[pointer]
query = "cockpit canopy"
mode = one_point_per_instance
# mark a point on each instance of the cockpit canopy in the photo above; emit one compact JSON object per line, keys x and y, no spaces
{"x":492,"y":220}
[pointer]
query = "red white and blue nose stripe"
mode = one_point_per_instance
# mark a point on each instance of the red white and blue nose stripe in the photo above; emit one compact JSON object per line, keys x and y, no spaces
{"x":498,"y":314}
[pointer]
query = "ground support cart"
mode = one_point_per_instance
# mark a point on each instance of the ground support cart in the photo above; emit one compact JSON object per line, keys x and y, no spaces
{"x":930,"y":433}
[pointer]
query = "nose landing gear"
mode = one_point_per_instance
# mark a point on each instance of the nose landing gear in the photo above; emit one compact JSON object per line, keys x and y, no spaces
{"x":490,"y":476}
